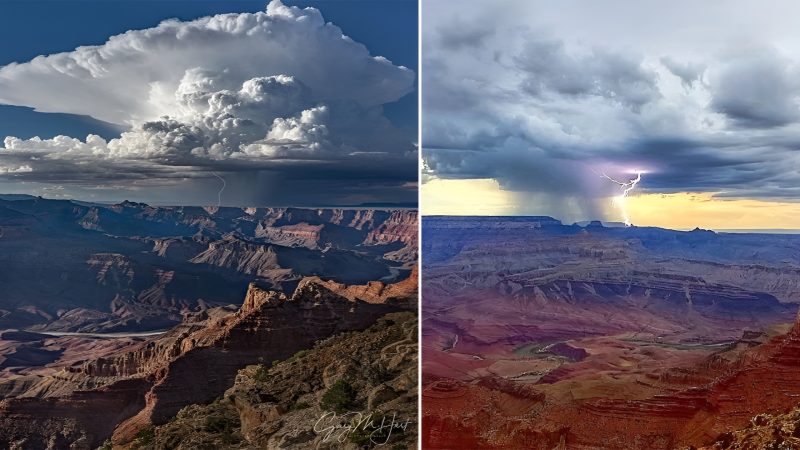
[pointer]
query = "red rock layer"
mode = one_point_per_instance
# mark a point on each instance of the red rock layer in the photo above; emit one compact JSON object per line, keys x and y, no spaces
{"x":194,"y":363}
{"x":400,"y":226}
{"x":765,"y":379}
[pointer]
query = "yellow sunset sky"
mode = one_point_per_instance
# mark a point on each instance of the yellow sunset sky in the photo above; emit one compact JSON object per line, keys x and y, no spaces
{"x":677,"y":211}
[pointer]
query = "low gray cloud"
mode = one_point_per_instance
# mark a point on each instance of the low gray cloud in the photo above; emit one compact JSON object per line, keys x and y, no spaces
{"x":457,"y":34}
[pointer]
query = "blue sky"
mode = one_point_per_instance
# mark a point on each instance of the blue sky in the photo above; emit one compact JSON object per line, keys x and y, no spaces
{"x":386,"y":27}
{"x":290,"y":110}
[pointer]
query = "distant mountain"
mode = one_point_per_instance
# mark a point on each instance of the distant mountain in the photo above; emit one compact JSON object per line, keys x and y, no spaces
{"x":15,"y":197}
{"x":600,"y":223}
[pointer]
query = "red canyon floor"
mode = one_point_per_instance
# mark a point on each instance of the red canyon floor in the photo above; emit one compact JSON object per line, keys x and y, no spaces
{"x":542,"y":336}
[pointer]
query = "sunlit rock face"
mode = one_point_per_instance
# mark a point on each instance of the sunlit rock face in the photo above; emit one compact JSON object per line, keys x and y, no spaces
{"x":147,"y":383}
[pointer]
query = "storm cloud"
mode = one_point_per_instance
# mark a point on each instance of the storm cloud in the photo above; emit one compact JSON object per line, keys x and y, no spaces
{"x":552,"y":100}
{"x":279,"y":94}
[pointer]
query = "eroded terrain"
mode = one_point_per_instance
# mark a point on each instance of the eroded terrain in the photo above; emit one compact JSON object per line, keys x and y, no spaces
{"x":116,"y":317}
{"x":543,"y":335}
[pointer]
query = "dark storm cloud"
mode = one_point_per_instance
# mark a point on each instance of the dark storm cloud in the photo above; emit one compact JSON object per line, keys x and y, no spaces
{"x":549,"y":68}
{"x":758,"y":89}
{"x":547,"y":116}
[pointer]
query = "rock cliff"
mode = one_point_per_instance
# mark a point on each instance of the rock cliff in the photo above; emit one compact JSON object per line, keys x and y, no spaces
{"x":282,"y":404}
{"x":193,"y":363}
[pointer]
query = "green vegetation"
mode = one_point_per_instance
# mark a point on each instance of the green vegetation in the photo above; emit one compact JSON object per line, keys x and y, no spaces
{"x":298,"y":406}
{"x":262,"y":371}
{"x":392,"y":335}
{"x":144,"y":438}
{"x":383,"y":322}
{"x":218,"y":424}
{"x":339,"y":397}
{"x":378,"y":374}
{"x":224,"y":426}
{"x":297,"y":355}
{"x":261,"y":374}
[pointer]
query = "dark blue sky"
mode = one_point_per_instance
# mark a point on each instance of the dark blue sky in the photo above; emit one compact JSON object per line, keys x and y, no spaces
{"x":29,"y":28}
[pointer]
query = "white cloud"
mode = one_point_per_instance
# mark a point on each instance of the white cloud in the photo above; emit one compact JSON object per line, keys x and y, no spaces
{"x":230,"y":92}
{"x":132,"y":77}
{"x":293,"y":136}
{"x":18,"y":169}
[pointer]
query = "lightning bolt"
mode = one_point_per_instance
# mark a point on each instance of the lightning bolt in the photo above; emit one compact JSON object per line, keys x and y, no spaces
{"x":219,"y":194}
{"x":627,"y":187}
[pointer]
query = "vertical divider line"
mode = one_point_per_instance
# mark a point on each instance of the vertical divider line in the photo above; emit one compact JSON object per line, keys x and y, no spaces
{"x":419,"y":223}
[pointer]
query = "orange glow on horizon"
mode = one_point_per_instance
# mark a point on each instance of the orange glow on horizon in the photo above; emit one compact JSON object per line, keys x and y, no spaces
{"x":683,"y":210}
{"x":686,"y":210}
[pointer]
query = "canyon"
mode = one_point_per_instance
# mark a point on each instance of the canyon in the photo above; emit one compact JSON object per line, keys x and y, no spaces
{"x":542,"y":335}
{"x":130,"y":312}
{"x":81,"y":267}
{"x":149,"y":382}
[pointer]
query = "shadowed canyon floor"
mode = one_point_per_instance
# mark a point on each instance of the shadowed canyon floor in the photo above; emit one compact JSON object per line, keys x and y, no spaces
{"x":542,"y":335}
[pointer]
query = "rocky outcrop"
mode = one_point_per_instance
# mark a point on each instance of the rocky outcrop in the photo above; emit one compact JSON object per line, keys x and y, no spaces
{"x":72,"y":422}
{"x":245,"y":257}
{"x":194,"y":363}
{"x":765,"y":431}
{"x":297,"y":235}
{"x":277,"y":264}
{"x":402,"y":293}
{"x":280,"y":405}
{"x":400,"y":226}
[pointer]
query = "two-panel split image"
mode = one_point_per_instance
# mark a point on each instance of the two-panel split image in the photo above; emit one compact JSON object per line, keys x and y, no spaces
{"x":399,"y":225}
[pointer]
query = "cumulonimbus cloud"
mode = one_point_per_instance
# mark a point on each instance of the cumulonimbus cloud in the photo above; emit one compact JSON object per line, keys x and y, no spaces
{"x":133,"y":77}
{"x":231,"y":92}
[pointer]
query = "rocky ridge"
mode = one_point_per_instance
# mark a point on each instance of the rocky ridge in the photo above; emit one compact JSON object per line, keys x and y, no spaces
{"x":765,"y":431}
{"x":193,"y":363}
{"x":282,"y":404}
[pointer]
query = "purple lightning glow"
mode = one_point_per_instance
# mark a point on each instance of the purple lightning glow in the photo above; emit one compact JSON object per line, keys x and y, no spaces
{"x":627,"y":187}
